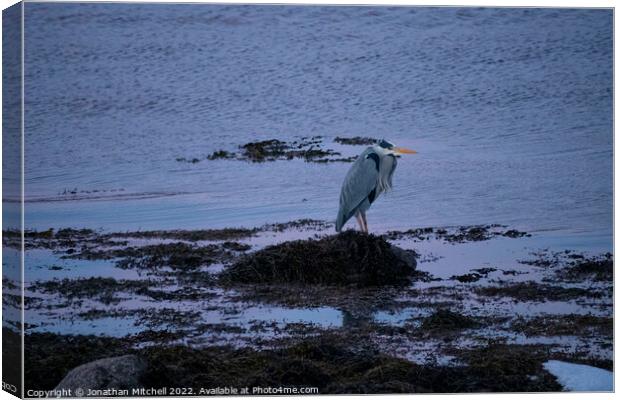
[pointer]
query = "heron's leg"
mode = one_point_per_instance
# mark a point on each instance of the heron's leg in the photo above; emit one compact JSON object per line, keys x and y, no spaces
{"x":358,"y":217}
{"x":364,"y":221}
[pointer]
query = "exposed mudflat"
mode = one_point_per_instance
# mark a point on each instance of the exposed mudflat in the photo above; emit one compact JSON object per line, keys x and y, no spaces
{"x":450,"y":309}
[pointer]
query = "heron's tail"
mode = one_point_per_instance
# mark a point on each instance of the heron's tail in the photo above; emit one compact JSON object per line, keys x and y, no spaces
{"x":340,"y":220}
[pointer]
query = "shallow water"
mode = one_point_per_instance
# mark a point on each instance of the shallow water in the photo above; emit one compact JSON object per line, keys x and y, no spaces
{"x":510,"y":110}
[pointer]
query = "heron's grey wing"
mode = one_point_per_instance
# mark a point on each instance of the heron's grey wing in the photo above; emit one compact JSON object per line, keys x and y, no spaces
{"x":360,"y":182}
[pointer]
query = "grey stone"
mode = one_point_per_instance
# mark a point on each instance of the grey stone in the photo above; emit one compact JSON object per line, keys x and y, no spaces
{"x":124,"y":372}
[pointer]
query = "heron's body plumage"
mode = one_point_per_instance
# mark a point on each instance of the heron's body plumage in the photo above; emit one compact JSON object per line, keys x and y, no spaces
{"x":369,"y":176}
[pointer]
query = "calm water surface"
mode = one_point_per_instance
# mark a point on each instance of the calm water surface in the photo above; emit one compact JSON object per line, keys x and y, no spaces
{"x":510,"y":110}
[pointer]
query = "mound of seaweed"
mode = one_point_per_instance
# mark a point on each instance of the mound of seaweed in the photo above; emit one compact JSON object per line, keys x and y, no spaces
{"x":349,"y":258}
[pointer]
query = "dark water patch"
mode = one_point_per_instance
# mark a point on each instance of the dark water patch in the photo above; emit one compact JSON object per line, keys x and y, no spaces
{"x":349,"y":258}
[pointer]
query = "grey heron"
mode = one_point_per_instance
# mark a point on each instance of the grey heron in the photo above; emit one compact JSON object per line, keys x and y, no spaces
{"x":369,"y":176}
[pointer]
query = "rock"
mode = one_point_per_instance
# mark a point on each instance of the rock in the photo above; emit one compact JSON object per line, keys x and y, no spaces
{"x":124,"y":372}
{"x":349,"y":258}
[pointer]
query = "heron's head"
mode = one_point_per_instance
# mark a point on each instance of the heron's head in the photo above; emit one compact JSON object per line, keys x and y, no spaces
{"x":386,"y":148}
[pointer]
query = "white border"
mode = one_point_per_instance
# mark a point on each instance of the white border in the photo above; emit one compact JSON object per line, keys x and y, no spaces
{"x":481,"y":3}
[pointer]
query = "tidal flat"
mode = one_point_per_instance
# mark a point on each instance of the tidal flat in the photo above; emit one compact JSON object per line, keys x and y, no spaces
{"x":436,"y":309}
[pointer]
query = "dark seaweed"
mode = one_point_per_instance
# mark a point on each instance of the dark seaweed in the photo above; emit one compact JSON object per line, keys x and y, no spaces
{"x":356,"y":140}
{"x":350,"y":258}
{"x":333,"y":363}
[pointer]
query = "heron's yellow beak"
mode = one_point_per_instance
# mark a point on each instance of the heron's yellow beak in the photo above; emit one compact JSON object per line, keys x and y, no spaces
{"x":402,"y":150}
